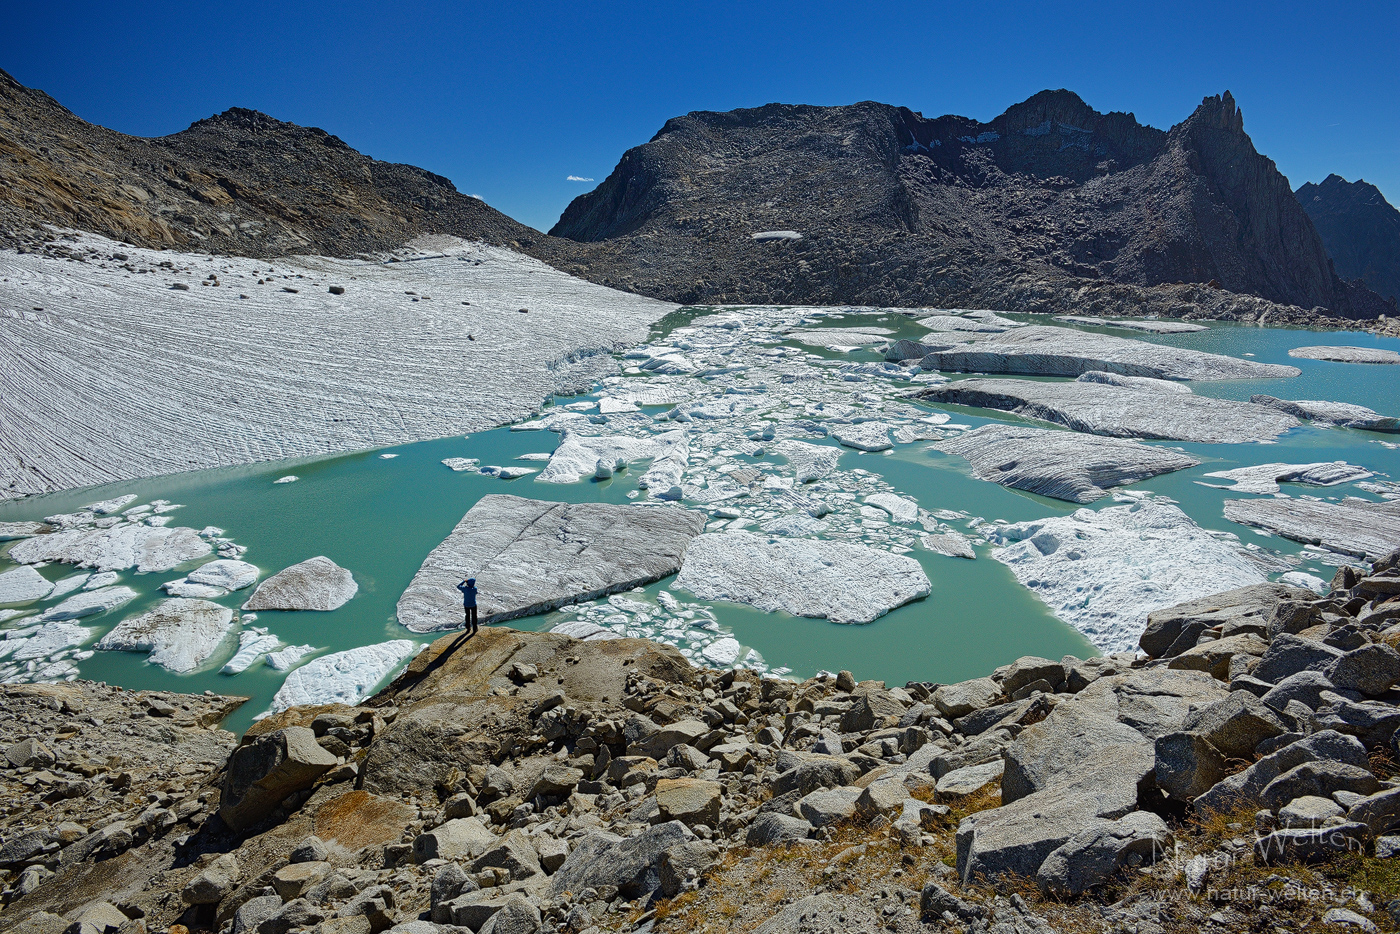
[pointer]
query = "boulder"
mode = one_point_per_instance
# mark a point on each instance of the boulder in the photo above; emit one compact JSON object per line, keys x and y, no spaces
{"x":1029,"y":669}
{"x":1289,"y":654}
{"x":553,"y":851}
{"x":514,"y":852}
{"x":882,"y":797}
{"x":829,"y":806}
{"x":869,"y":712}
{"x":1235,"y":725}
{"x":1320,"y":778}
{"x":1094,"y":855}
{"x":1255,"y":602}
{"x":1307,"y":845}
{"x":1248,"y":786}
{"x":961,"y":699}
{"x":314,"y":584}
{"x":1306,"y":688}
{"x":816,"y":772}
{"x":965,"y":781}
{"x":516,"y":916}
{"x":1187,"y":765}
{"x":556,"y":781}
{"x":97,"y":917}
{"x":1370,"y":670}
{"x":632,"y":864}
{"x":1380,"y":812}
{"x":456,"y":839}
{"x":681,"y":866}
{"x":1214,"y":657}
{"x":293,"y":880}
{"x":262,"y":773}
{"x":29,"y":753}
{"x":658,"y":743}
{"x":254,"y":912}
{"x":1309,"y":811}
{"x":1074,"y":735}
{"x":1372,"y":722}
{"x":213,"y":884}
{"x":688,"y":800}
{"x":773,"y":828}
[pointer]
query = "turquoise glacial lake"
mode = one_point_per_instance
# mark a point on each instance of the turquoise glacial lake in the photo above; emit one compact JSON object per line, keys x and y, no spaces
{"x":379,"y":517}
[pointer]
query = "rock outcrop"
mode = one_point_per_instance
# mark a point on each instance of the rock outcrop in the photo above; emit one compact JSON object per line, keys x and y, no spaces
{"x":1360,"y":229}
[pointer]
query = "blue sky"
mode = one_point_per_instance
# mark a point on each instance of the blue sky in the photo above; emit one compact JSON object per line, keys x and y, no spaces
{"x":509,"y":99}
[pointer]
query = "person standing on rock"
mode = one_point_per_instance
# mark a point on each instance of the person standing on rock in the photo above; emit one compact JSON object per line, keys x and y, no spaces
{"x":468,"y":588}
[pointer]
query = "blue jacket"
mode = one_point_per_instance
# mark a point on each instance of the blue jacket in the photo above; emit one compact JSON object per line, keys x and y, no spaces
{"x":468,"y":594}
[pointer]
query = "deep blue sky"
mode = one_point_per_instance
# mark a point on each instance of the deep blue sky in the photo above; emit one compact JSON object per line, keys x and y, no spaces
{"x":508,"y":99}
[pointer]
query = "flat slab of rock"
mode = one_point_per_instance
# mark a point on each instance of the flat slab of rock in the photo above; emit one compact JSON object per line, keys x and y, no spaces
{"x":1353,"y":526}
{"x":530,"y":556}
{"x":143,"y":547}
{"x":1052,"y":351}
{"x":1060,"y":464}
{"x":841,"y":582}
{"x":23,"y":585}
{"x":179,"y":634}
{"x":1346,"y":354}
{"x":1104,"y":571}
{"x":1337,"y":414}
{"x":343,"y":677}
{"x":314,"y":584}
{"x":1120,"y":412}
{"x":1265,"y":478}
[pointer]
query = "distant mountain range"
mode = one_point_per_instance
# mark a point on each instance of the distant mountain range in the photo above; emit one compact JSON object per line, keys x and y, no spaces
{"x":1050,"y":206}
{"x":1360,"y":229}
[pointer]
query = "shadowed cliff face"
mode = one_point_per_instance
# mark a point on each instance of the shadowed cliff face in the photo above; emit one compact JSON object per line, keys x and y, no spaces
{"x":1360,"y":229}
{"x":896,"y":208}
{"x":239,"y":182}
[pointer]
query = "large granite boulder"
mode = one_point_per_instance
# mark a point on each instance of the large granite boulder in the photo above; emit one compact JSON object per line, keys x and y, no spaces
{"x":263,"y":772}
{"x":633,"y":864}
{"x":529,"y":556}
{"x":1254,"y":603}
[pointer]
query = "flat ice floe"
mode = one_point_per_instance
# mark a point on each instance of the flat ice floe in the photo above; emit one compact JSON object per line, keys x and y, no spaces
{"x":529,"y":556}
{"x":23,"y":585}
{"x":41,"y":642}
{"x":809,"y":461}
{"x":1331,"y":414}
{"x":230,"y":574}
{"x":579,"y":456}
{"x":90,"y":603}
{"x":252,"y":645}
{"x":1120,"y":412}
{"x":1346,"y":354}
{"x":841,"y":582}
{"x":343,"y":677}
{"x":1061,"y":464}
{"x":112,"y":347}
{"x":127,"y":545}
{"x":1355,"y":526}
{"x":1051,"y":351}
{"x":1104,"y":571}
{"x":1265,"y":478}
{"x":179,"y":634}
{"x":314,"y":584}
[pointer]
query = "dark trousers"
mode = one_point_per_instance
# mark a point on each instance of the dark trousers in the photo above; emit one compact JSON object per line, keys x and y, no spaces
{"x":470,"y":618}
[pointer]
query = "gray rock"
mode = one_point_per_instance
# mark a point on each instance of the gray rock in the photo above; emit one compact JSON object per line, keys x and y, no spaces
{"x":773,"y":828}
{"x":1306,"y":845}
{"x":1370,"y":670}
{"x":869,"y":711}
{"x":530,"y":556}
{"x":1319,"y":779}
{"x":681,"y":866}
{"x":448,"y":882}
{"x":829,"y":806}
{"x":1244,"y":787}
{"x":252,"y":913}
{"x":1074,"y":735}
{"x":455,"y":839}
{"x":1119,"y":412}
{"x":556,"y":781}
{"x":660,"y":741}
{"x":1289,"y":654}
{"x":553,"y":851}
{"x":982,"y":749}
{"x":1094,"y":855}
{"x":970,"y":779}
{"x":1349,"y":918}
{"x":1187,"y":765}
{"x":1380,"y":812}
{"x":97,"y":917}
{"x":212,"y":885}
{"x":1060,"y":464}
{"x":816,"y":772}
{"x":1054,"y":351}
{"x":1354,"y":526}
{"x":632,"y":864}
{"x":513,"y":852}
{"x":1337,"y":414}
{"x":1255,"y":603}
{"x":31,"y":753}
{"x":1309,"y":811}
{"x":314,"y":584}
{"x":1017,"y":837}
{"x":1372,"y":722}
{"x":298,"y":913}
{"x":516,"y":916}
{"x":961,"y":699}
{"x":310,"y":850}
{"x":1029,"y":669}
{"x":937,"y":902}
{"x":1235,"y":725}
{"x":262,"y":773}
{"x":1306,"y":688}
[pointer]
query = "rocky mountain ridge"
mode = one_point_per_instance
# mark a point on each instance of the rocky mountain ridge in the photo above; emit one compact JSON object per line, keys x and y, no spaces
{"x":1360,"y":228}
{"x":1019,"y":213}
{"x":522,"y":783}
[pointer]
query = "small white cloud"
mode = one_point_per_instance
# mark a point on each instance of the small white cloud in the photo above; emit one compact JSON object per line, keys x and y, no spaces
{"x":577,"y":178}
